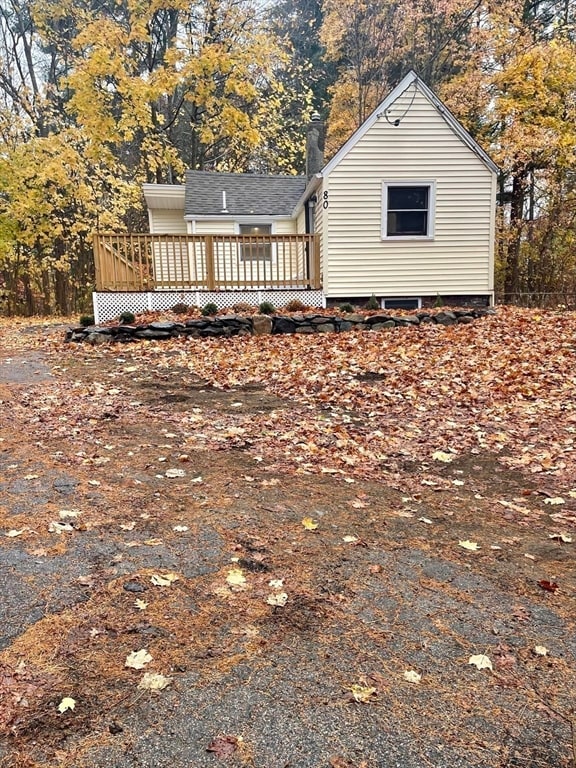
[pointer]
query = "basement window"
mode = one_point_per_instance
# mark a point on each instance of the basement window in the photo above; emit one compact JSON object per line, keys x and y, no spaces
{"x":401,"y":303}
{"x":408,"y":209}
{"x":256,"y":248}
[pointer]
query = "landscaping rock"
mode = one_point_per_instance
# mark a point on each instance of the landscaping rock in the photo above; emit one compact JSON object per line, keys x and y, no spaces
{"x":98,"y":338}
{"x":261,"y":325}
{"x":283,"y":325}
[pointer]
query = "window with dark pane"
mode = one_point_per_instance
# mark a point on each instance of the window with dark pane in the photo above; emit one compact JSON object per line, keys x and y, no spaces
{"x":256,"y":246}
{"x":407,"y":211}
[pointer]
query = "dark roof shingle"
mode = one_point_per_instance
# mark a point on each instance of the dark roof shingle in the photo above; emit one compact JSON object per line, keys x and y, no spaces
{"x":246,"y":194}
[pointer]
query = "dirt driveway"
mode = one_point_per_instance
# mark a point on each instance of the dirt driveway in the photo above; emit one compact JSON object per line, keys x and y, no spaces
{"x":189,"y":603}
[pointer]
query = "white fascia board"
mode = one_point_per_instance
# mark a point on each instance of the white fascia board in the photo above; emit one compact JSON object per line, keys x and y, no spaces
{"x":393,"y":96}
{"x":311,"y":187}
{"x":164,"y":196}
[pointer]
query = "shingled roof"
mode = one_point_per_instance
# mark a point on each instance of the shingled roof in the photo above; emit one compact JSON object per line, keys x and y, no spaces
{"x":246,"y":194}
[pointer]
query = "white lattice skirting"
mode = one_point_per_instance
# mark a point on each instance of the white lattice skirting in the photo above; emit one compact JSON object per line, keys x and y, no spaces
{"x":108,"y":306}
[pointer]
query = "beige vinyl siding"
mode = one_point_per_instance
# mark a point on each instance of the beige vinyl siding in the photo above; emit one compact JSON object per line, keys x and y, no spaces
{"x":423,"y":147}
{"x":167,"y":221}
{"x":301,"y":222}
{"x":287,"y":260}
{"x":171,"y":260}
{"x":226,"y":227}
{"x":285,"y":227}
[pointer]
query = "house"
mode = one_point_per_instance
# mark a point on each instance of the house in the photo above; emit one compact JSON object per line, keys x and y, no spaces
{"x":405,"y":211}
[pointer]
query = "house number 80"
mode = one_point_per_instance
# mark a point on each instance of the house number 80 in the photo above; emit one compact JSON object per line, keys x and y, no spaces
{"x":325,"y":199}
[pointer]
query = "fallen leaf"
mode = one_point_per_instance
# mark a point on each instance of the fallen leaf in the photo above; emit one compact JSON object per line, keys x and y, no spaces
{"x":223,"y":746}
{"x":540,"y":650}
{"x":152,"y":681}
{"x":64,"y":513}
{"x":140,"y":604}
{"x":30,"y":477}
{"x":153,"y":542}
{"x":236,"y":577}
{"x":443,"y":456}
{"x":350,"y":539}
{"x":138,"y":659}
{"x":13,"y":533}
{"x":128,"y":526}
{"x":66,"y":704}
{"x":276,"y":583}
{"x":164,"y":580}
{"x":549,"y":586}
{"x":59,"y":528}
{"x":170,"y":473}
{"x":309,"y":524}
{"x":425,"y":520}
{"x":481,"y":661}
{"x":561,"y":536}
{"x":278,"y":600}
{"x":411,"y":676}
{"x":554,"y":500}
{"x":471,"y":545}
{"x":180,"y":528}
{"x":457,"y":482}
{"x":362,"y":694}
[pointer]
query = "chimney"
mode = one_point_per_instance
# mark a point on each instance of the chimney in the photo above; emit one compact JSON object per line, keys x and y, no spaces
{"x":315,"y":134}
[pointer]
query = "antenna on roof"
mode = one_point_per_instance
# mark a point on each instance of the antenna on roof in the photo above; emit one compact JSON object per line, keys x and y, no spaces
{"x":224,"y":209}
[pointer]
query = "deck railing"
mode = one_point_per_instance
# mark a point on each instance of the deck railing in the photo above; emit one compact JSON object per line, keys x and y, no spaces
{"x":205,"y":262}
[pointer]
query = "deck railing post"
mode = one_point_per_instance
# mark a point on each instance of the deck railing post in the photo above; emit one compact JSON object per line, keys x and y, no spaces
{"x":210,"y":270}
{"x":315,"y":262}
{"x":97,"y":262}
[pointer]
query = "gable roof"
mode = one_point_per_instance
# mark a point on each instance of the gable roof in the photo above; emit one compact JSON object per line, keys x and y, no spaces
{"x":246,"y":194}
{"x":381,"y":109}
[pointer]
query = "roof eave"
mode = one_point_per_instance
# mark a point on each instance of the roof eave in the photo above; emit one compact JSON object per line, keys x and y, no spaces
{"x":237,"y":216}
{"x":311,"y":187}
{"x":158,"y":195}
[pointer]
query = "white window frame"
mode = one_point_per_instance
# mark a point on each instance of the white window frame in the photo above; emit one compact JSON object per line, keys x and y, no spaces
{"x":431,"y":184}
{"x":417,"y":299}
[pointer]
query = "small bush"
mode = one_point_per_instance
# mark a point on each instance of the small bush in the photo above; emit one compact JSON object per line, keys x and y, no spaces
{"x":295,"y":306}
{"x":127,"y":317}
{"x":242,"y":306}
{"x":86,"y":320}
{"x":210,"y":309}
{"x":266,"y":308}
{"x":372,"y":303}
{"x":346,"y":308}
{"x":439,"y":301}
{"x":180,"y":308}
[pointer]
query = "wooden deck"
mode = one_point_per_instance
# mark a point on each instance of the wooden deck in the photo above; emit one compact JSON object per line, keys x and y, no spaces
{"x":157,"y":262}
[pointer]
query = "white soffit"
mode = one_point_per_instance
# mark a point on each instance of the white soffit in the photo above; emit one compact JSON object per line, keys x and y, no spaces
{"x":164,"y":196}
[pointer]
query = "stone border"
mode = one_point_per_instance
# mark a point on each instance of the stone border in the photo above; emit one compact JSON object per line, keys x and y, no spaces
{"x":258,"y":325}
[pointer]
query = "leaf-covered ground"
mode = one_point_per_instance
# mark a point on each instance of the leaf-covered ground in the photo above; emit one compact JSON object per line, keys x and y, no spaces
{"x":300,"y":542}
